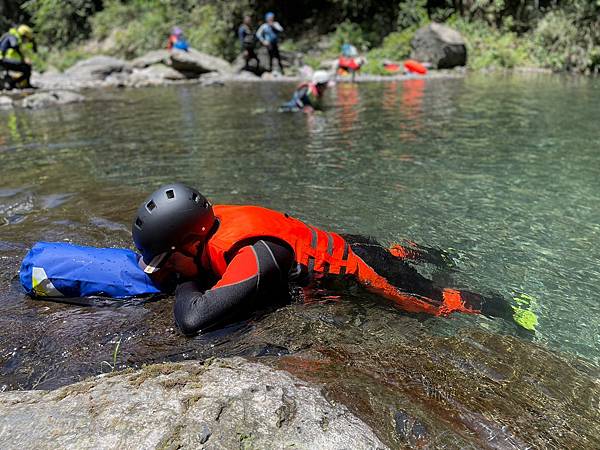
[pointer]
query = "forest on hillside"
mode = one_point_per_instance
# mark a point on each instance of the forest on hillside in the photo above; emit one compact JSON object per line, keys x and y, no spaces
{"x":556,"y":34}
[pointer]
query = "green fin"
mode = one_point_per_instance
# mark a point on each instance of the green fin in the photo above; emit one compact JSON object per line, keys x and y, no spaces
{"x":522,"y":313}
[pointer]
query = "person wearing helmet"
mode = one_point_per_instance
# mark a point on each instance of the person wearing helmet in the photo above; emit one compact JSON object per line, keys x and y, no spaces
{"x":13,"y":46}
{"x":224,"y":258}
{"x":308,"y":95}
{"x":268,"y":35}
{"x":177,"y":40}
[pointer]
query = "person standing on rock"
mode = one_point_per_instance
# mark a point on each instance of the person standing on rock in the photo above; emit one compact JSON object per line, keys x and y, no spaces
{"x":223,"y":258}
{"x":177,"y":40}
{"x":268,"y":35}
{"x":13,"y":46}
{"x":247,"y":42}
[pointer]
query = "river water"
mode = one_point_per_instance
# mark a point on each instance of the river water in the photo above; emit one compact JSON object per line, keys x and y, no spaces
{"x":501,"y":172}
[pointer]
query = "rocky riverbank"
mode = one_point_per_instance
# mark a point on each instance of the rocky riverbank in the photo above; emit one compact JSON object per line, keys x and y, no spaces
{"x":224,"y":403}
{"x":162,"y":67}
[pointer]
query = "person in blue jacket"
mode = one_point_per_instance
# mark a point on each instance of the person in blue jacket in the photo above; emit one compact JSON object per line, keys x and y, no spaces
{"x":268,"y":35}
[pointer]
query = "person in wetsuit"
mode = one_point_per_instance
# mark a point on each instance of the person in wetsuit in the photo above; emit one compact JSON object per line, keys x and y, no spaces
{"x":247,"y":42}
{"x":268,"y":34}
{"x":308,"y":96}
{"x":12,"y":53}
{"x":221,"y":258}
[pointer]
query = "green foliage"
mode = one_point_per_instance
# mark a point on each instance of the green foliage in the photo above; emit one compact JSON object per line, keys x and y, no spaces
{"x":348,"y":33}
{"x":565,"y":35}
{"x":145,"y":25}
{"x":412,"y":13}
{"x":209,"y":32}
{"x":395,"y":47}
{"x":58,"y":23}
{"x":570,"y":39}
{"x":68,"y":58}
{"x":488,"y":46}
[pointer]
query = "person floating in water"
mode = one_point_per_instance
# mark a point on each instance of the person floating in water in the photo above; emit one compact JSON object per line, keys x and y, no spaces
{"x":14,"y":46}
{"x":177,"y":40}
{"x":248,"y":42}
{"x":223,"y":258}
{"x":308,"y":95}
{"x":268,"y":34}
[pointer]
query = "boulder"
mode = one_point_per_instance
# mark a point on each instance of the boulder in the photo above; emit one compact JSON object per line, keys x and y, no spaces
{"x":151,"y":58}
{"x":194,"y":63}
{"x":227,"y":403}
{"x":98,"y":68}
{"x":44,"y":99}
{"x":439,"y":45}
{"x":154,"y":75}
{"x":6,"y":102}
{"x":288,"y":59}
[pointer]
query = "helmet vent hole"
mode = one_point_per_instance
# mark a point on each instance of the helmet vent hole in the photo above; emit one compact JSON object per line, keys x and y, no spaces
{"x":195,"y":197}
{"x":170,"y":193}
{"x":150,"y":205}
{"x":139,"y":223}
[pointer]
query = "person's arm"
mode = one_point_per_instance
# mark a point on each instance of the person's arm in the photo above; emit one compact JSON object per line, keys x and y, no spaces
{"x":260,"y":34}
{"x":253,"y":268}
{"x":278,"y":27}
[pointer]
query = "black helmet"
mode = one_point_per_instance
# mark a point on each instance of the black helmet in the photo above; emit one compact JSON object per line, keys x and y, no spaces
{"x":169,"y":217}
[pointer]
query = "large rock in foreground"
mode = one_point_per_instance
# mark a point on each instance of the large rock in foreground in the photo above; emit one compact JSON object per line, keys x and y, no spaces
{"x":230,"y":403}
{"x":439,"y":45}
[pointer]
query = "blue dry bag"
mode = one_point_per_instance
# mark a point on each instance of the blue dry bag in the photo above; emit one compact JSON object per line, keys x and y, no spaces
{"x":56,"y":269}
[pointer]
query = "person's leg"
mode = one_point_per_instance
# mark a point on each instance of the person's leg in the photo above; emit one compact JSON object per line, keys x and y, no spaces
{"x":252,"y":55}
{"x":278,"y":56}
{"x":379,"y":268}
{"x":18,"y":66}
{"x":271,"y":54}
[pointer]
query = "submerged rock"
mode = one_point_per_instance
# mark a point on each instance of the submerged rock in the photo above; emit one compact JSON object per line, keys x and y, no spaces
{"x":439,"y":45}
{"x":5,"y":102}
{"x":57,"y":97}
{"x":471,"y":389}
{"x":228,"y":403}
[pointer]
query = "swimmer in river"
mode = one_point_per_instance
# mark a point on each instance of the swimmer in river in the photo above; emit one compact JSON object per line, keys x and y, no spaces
{"x":308,"y":96}
{"x":222,"y":258}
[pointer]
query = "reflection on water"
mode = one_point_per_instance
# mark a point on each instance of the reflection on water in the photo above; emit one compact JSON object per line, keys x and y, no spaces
{"x":501,"y":172}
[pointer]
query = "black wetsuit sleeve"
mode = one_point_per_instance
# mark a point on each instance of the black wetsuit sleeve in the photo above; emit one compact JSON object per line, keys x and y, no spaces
{"x":253,"y":269}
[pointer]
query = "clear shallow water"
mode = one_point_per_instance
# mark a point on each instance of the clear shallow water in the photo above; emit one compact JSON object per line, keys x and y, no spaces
{"x":501,"y":171}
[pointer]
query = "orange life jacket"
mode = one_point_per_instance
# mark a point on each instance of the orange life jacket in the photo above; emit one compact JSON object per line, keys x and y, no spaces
{"x":319,"y":251}
{"x":349,"y":63}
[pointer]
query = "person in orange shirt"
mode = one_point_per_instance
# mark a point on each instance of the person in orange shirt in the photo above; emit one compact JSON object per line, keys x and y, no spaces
{"x":221,"y":258}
